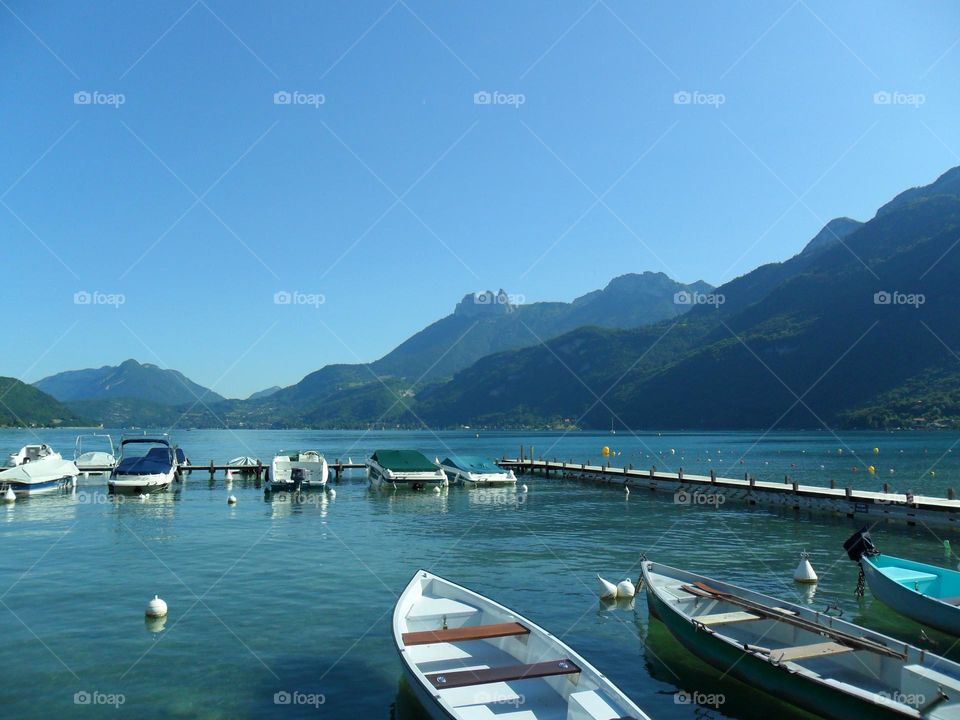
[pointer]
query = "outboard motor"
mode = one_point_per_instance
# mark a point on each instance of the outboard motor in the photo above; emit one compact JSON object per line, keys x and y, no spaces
{"x":860,"y":544}
{"x":297,"y":476}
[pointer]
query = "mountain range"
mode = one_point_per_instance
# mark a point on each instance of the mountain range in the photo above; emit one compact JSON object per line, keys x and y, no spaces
{"x":856,"y":330}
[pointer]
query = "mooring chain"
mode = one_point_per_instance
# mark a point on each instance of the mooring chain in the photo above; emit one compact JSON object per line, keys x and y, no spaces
{"x":861,"y":584}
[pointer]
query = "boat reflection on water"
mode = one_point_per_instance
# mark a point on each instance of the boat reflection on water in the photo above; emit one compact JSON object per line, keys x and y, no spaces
{"x":56,"y":506}
{"x":406,"y":706}
{"x":284,"y":504}
{"x":697,"y":684}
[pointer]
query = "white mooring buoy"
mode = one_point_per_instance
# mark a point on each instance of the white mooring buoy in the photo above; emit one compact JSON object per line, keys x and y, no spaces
{"x":524,"y":487}
{"x":436,"y":489}
{"x":332,"y":493}
{"x":608,"y":591}
{"x":626,"y":489}
{"x":9,"y":496}
{"x":804,"y":572}
{"x":156,"y":607}
{"x":626,"y":589}
{"x":232,"y":500}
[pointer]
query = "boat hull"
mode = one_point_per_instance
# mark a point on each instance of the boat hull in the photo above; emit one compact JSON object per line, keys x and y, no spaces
{"x":910,"y":603}
{"x":404,"y":481}
{"x":140,"y":483}
{"x":757,"y":673}
{"x":40,"y":486}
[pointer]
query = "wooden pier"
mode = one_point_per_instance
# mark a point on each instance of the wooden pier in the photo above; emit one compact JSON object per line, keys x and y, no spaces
{"x":865,"y":506}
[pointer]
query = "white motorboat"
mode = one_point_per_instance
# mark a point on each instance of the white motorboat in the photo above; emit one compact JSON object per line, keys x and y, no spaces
{"x":243,"y":465}
{"x":146,"y":464}
{"x":475,"y":470}
{"x":38,"y":468}
{"x":297,"y":470}
{"x":94,"y":462}
{"x":468,"y":657}
{"x":403,"y":469}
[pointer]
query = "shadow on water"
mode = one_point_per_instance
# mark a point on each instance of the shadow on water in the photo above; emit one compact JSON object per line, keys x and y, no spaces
{"x":876,"y":616}
{"x":669,"y":662}
{"x":406,"y":706}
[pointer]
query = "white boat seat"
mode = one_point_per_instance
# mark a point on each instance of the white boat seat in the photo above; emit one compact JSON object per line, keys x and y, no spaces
{"x":805,"y":652}
{"x":924,"y":682}
{"x":428,"y":608}
{"x":589,"y":705}
{"x":906,"y":576}
{"x":727,"y":617}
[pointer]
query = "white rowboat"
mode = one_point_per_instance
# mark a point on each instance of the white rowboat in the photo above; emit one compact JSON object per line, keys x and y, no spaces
{"x":470,"y":658}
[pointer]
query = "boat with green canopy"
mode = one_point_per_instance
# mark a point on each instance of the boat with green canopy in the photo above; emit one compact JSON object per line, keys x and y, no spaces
{"x":403,"y":468}
{"x":475,"y":470}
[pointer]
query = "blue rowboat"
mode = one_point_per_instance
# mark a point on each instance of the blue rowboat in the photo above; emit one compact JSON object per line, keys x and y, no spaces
{"x":816,"y":661}
{"x":926,"y":593}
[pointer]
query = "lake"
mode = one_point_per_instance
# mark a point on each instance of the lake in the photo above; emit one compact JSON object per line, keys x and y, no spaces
{"x":274,"y":597}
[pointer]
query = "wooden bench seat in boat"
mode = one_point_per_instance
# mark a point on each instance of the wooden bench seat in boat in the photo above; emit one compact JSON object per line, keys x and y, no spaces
{"x":461,"y":634}
{"x":805,"y":652}
{"x":724,"y":618}
{"x":506,"y":673}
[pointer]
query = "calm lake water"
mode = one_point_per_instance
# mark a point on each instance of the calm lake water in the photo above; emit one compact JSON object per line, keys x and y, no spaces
{"x":272,"y":597}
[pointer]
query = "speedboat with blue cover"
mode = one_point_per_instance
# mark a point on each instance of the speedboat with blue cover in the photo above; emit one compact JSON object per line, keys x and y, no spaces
{"x":926,"y":593}
{"x":475,"y":470}
{"x":38,"y":468}
{"x":800,"y":654}
{"x":146,"y":464}
{"x":403,"y":469}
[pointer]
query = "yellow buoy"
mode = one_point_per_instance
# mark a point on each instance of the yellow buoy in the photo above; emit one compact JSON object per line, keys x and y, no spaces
{"x":871,"y":469}
{"x":605,"y":451}
{"x":876,"y":451}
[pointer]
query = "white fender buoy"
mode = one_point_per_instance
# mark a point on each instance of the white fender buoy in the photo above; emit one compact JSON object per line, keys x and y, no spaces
{"x":804,"y":572}
{"x":436,"y":489}
{"x":608,"y":591}
{"x":9,"y":496}
{"x":524,"y":487}
{"x":143,"y":496}
{"x":333,"y":493}
{"x":232,"y":500}
{"x":626,"y":489}
{"x":626,"y":589}
{"x":156,"y":608}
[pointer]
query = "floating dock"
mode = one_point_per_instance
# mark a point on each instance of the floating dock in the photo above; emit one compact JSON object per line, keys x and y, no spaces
{"x":865,"y":506}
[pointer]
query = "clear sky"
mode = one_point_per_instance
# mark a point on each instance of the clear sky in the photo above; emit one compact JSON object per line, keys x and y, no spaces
{"x":147,"y":158}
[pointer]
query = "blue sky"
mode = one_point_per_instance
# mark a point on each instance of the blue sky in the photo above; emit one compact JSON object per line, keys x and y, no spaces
{"x":175,"y":183}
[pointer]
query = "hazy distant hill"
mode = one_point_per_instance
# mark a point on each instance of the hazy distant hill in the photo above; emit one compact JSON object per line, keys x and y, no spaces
{"x":24,"y":405}
{"x":128,"y":380}
{"x":264,"y":393}
{"x":834,"y":335}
